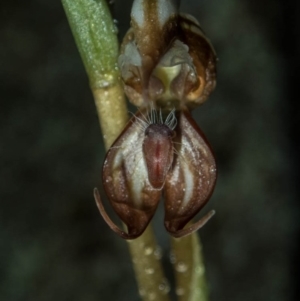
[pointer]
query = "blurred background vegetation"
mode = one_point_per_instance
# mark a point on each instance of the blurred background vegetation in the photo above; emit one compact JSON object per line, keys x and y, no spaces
{"x":54,"y":244}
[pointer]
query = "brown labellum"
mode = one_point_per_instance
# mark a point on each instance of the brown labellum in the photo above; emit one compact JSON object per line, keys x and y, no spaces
{"x":152,"y":155}
{"x":158,"y":153}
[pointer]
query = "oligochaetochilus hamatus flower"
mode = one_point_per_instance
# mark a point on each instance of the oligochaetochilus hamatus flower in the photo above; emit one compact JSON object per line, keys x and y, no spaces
{"x":167,"y":67}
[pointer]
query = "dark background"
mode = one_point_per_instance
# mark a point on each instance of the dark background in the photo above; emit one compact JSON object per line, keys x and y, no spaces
{"x":54,"y":244}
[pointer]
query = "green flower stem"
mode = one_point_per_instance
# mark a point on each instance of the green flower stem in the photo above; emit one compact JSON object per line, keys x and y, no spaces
{"x":189,"y":269}
{"x":146,"y":255}
{"x":112,"y":112}
{"x":95,"y":36}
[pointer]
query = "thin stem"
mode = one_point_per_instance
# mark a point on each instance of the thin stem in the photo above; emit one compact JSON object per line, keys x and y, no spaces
{"x":189,"y":267}
{"x":146,"y":255}
{"x":95,"y":36}
{"x":111,"y":109}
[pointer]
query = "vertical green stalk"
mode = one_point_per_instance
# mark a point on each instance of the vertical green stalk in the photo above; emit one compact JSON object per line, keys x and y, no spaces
{"x":95,"y":36}
{"x":189,"y":268}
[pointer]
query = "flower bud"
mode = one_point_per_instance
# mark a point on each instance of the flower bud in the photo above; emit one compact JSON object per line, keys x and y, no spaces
{"x":166,"y":58}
